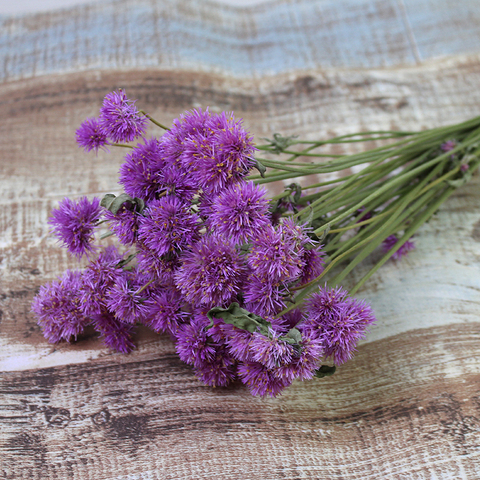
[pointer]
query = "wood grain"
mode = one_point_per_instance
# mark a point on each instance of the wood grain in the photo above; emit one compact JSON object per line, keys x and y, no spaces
{"x":406,"y":407}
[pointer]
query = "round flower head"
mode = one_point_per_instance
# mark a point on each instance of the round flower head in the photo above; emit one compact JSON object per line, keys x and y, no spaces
{"x":275,"y":257}
{"x":115,"y":334}
{"x":74,"y":223}
{"x":125,"y":301}
{"x":313,"y":261}
{"x":57,"y":307}
{"x":168,"y":226}
{"x":218,"y":371}
{"x":240,"y":212}
{"x":120,"y":119}
{"x":211,"y":274}
{"x":261,"y":380}
{"x":337,"y":321}
{"x":390,"y":242}
{"x":140,"y":172}
{"x":98,"y":277}
{"x":263,"y":297}
{"x":270,"y":350}
{"x":220,"y":154}
{"x":155,"y":268}
{"x":177,"y":183}
{"x":165,"y":312}
{"x":90,"y":135}
{"x":124,"y":223}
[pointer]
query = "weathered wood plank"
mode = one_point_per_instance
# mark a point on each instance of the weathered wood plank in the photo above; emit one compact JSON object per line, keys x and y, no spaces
{"x":265,"y":39}
{"x":405,"y":407}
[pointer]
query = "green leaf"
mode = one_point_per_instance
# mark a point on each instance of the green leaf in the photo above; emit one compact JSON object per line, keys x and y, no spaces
{"x":107,"y":200}
{"x":117,"y":204}
{"x":240,"y":318}
{"x":325,"y":371}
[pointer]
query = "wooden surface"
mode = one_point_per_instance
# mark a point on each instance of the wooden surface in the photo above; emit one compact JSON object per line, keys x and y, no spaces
{"x":406,"y":407}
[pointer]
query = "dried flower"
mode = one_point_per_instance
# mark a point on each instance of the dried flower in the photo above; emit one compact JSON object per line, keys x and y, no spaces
{"x":90,"y":135}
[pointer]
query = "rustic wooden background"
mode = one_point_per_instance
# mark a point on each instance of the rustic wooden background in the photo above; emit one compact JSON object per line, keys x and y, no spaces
{"x":407,"y":406}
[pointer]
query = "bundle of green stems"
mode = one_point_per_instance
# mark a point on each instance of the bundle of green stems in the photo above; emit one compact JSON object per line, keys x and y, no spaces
{"x":396,"y":187}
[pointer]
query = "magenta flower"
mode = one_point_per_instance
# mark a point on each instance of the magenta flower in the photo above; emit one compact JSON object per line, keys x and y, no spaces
{"x":124,"y":223}
{"x":74,"y":223}
{"x":90,"y":135}
{"x":240,"y":212}
{"x":212,"y":273}
{"x":260,"y":380}
{"x":58,"y":308}
{"x":339,"y":322}
{"x":168,"y":226}
{"x":271,"y":350}
{"x":390,"y":242}
{"x":120,"y":119}
{"x":264,"y":297}
{"x":155,"y":268}
{"x":115,"y":334}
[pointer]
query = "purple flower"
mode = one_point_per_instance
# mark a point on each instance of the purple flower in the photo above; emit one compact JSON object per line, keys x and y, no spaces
{"x":240,"y":212}
{"x":115,"y":334}
{"x":57,"y":307}
{"x":169,"y":226}
{"x":218,"y":371}
{"x":212,"y":273}
{"x":156,"y":268}
{"x":219,"y":154}
{"x":270,"y":350}
{"x":275,"y":256}
{"x":124,"y":223}
{"x":74,"y":222}
{"x":390,"y":242}
{"x":260,"y":380}
{"x":313,"y":261}
{"x":165,"y":312}
{"x":238,"y":344}
{"x":141,"y":171}
{"x":120,"y":119}
{"x":448,"y":145}
{"x":125,"y":302}
{"x":176,"y":182}
{"x":193,"y":344}
{"x":98,"y":277}
{"x":90,"y":135}
{"x":338,"y":322}
{"x":263,"y":297}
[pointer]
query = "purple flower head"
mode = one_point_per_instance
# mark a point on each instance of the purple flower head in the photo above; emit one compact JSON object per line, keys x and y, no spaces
{"x":156,"y":268}
{"x":292,"y":318}
{"x":165,"y":312}
{"x":240,"y":212}
{"x":212,"y":273}
{"x":125,"y":300}
{"x":238,"y":344}
{"x":260,"y":380}
{"x":193,"y":344}
{"x":188,"y":124}
{"x":141,"y":171}
{"x":120,"y":119}
{"x":304,"y":361}
{"x":58,"y":309}
{"x":220,"y":154}
{"x":271,"y":350}
{"x":263,"y":297}
{"x":390,"y":242}
{"x":218,"y":371}
{"x":90,"y":135}
{"x":340,"y":327}
{"x":169,"y":226}
{"x":448,"y":145}
{"x":177,"y":183}
{"x":98,"y":277}
{"x":275,"y":257}
{"x":313,"y":261}
{"x":74,"y":223}
{"x":124,"y":223}
{"x":115,"y":334}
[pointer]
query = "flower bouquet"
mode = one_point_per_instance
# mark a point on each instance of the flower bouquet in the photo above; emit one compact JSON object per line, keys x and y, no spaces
{"x":248,"y":287}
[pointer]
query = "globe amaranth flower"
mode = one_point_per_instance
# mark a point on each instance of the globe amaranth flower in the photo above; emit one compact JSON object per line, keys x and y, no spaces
{"x":58,"y":308}
{"x":271,"y":351}
{"x":240,"y":212}
{"x":98,"y":277}
{"x":339,"y":325}
{"x":126,"y":301}
{"x":275,"y":257}
{"x":165,"y":312}
{"x":261,"y":380}
{"x":220,"y":154}
{"x":115,"y":334}
{"x":120,"y":119}
{"x":212,"y":272}
{"x":264,"y":297}
{"x":390,"y":242}
{"x":313,"y":261}
{"x":124,"y":223}
{"x":90,"y":135}
{"x":168,"y":226}
{"x":141,"y":170}
{"x":154,"y":267}
{"x":74,"y":223}
{"x":218,"y":371}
